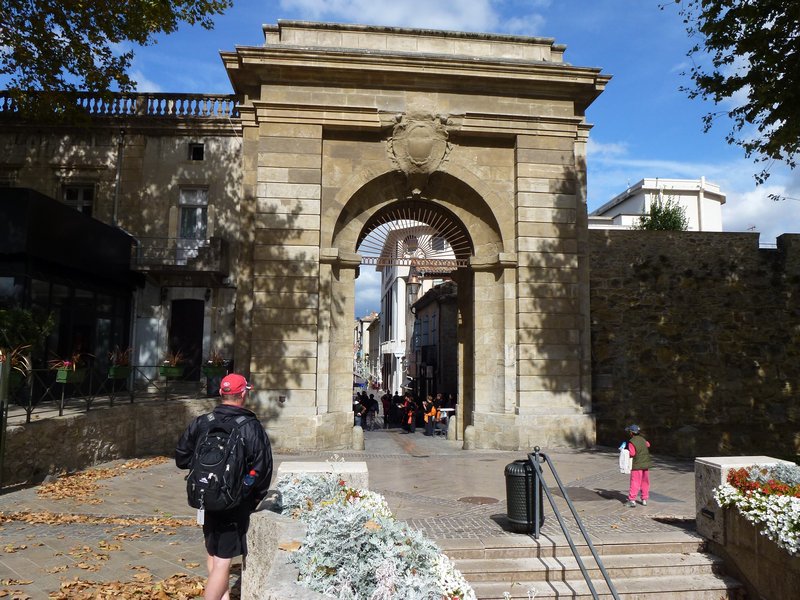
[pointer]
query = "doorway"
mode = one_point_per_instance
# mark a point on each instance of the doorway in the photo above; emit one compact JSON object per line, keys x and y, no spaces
{"x":186,"y":334}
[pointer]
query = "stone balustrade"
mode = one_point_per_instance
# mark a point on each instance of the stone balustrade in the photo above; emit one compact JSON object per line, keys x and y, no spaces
{"x":159,"y":105}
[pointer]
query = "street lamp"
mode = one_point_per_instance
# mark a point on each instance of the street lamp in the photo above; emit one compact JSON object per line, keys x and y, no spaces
{"x":412,"y":287}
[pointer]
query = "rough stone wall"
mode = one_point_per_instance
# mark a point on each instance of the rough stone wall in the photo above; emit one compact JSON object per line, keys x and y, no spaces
{"x":696,"y":337}
{"x":124,"y":431}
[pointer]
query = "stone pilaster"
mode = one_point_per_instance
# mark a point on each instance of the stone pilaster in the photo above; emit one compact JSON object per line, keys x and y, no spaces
{"x":552,"y":326}
{"x":286,"y":276}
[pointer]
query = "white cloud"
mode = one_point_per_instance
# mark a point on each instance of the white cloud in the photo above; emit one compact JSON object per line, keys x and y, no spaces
{"x":750,"y":208}
{"x":532,"y":25}
{"x":143,"y":84}
{"x":595,"y":149}
{"x":368,"y":291}
{"x":476,"y":15}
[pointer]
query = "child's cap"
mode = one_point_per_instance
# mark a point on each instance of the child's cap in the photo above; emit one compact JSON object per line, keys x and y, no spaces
{"x":633,"y":428}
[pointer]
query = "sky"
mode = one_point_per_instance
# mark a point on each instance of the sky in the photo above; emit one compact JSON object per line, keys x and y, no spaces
{"x":644,"y":125}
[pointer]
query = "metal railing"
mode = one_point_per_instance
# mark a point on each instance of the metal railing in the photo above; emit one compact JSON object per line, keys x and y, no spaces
{"x":536,"y":459}
{"x":41,"y":391}
{"x":161,"y":105}
{"x":204,"y":254}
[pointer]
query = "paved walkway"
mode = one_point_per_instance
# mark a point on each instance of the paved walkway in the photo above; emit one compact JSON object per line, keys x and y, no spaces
{"x":429,"y":482}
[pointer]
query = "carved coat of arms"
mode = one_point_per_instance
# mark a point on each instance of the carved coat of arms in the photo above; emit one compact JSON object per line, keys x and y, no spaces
{"x":418,"y":147}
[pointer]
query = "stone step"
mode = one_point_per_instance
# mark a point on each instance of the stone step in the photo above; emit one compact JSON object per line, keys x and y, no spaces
{"x":618,"y":566}
{"x":521,"y":546}
{"x":687,"y":587}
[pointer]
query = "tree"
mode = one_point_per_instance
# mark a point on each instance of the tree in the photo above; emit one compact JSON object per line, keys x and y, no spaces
{"x":62,"y":47}
{"x":666,"y":215}
{"x":754,"y":64}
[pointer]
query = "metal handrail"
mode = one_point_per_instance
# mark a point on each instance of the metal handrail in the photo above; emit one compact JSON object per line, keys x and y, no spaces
{"x":40,"y":385}
{"x":535,"y":458}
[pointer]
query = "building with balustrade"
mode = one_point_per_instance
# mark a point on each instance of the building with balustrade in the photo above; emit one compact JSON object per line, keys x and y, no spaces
{"x":165,"y":171}
{"x":249,"y":216}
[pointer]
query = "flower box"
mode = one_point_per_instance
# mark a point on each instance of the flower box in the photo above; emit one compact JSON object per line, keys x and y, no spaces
{"x":67,"y":375}
{"x":170,"y":371}
{"x":15,"y":380}
{"x":119,"y":372}
{"x":212,"y":371}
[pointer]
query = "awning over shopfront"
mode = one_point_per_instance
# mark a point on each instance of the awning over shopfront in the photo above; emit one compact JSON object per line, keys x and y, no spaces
{"x":46,"y":235}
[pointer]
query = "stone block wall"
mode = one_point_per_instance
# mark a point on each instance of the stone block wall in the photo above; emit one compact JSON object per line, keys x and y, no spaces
{"x":73,"y":442}
{"x":696,"y":337}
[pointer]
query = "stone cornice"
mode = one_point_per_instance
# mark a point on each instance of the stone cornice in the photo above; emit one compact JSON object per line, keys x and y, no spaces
{"x":252,"y":66}
{"x":365,"y":117}
{"x":502,"y":260}
{"x":338,"y":258}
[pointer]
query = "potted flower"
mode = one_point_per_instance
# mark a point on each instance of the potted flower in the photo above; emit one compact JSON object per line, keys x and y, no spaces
{"x":120,"y":360}
{"x":215,"y":365}
{"x":172,"y":365}
{"x":21,"y":367}
{"x":71,"y":370}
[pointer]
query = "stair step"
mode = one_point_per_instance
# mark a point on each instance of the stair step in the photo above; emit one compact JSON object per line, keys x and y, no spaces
{"x":688,"y":587}
{"x":522,"y":546}
{"x":566,"y":568}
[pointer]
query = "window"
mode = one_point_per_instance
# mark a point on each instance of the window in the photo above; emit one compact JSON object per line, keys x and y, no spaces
{"x":196,"y":151}
{"x":437,"y":244}
{"x":194,"y":213}
{"x":80,"y":197}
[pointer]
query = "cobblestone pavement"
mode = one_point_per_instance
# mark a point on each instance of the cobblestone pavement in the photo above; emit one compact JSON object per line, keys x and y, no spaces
{"x":431,"y":483}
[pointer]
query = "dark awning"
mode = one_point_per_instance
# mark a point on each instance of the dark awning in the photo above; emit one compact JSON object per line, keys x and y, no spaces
{"x":38,"y":229}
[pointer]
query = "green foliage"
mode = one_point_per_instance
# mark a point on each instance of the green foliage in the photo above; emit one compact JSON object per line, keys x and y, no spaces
{"x":665,"y":215}
{"x":747,"y":55}
{"x":61,"y":47}
{"x":23,"y":327}
{"x":783,"y":472}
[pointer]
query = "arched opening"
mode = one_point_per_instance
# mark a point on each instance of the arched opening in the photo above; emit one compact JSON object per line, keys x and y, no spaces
{"x":429,"y":241}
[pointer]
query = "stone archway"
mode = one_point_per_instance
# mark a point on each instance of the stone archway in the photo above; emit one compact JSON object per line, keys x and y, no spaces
{"x":481,"y":334}
{"x":341,"y":122}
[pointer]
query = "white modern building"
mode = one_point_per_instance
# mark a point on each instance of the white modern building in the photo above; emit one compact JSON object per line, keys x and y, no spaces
{"x":702,"y":202}
{"x":414,"y":258}
{"x":364,"y":364}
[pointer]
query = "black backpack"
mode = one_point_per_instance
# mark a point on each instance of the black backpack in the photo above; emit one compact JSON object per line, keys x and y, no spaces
{"x":218,"y":466}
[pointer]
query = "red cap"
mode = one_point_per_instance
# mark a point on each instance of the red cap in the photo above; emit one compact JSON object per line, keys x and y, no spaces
{"x":233,"y":384}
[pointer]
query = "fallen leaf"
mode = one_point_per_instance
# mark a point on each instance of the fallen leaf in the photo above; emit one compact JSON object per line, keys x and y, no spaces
{"x":372,"y":525}
{"x":290,"y":546}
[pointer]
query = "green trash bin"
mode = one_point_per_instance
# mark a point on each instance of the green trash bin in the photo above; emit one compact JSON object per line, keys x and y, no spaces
{"x":523,"y":511}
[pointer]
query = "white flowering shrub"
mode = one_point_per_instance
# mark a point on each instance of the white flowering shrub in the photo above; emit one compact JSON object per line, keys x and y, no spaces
{"x":304,"y":492}
{"x":355,"y":549}
{"x":754,"y":495}
{"x":783,"y":472}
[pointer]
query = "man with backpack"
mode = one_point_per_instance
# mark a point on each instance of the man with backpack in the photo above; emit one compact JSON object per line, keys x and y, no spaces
{"x":229,"y":458}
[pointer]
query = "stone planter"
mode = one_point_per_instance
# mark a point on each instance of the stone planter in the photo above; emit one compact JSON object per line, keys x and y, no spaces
{"x":766,"y":568}
{"x":74,"y":376}
{"x":171,"y":372}
{"x":119,"y":372}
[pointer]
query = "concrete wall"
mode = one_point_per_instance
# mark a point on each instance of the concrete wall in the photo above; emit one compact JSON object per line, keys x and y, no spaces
{"x":695,"y":338}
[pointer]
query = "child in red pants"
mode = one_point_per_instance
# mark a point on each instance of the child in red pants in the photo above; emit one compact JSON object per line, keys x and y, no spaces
{"x":639,"y":449}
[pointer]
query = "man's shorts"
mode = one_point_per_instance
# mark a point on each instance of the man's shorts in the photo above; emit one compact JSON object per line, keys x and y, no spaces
{"x":225,"y":532}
